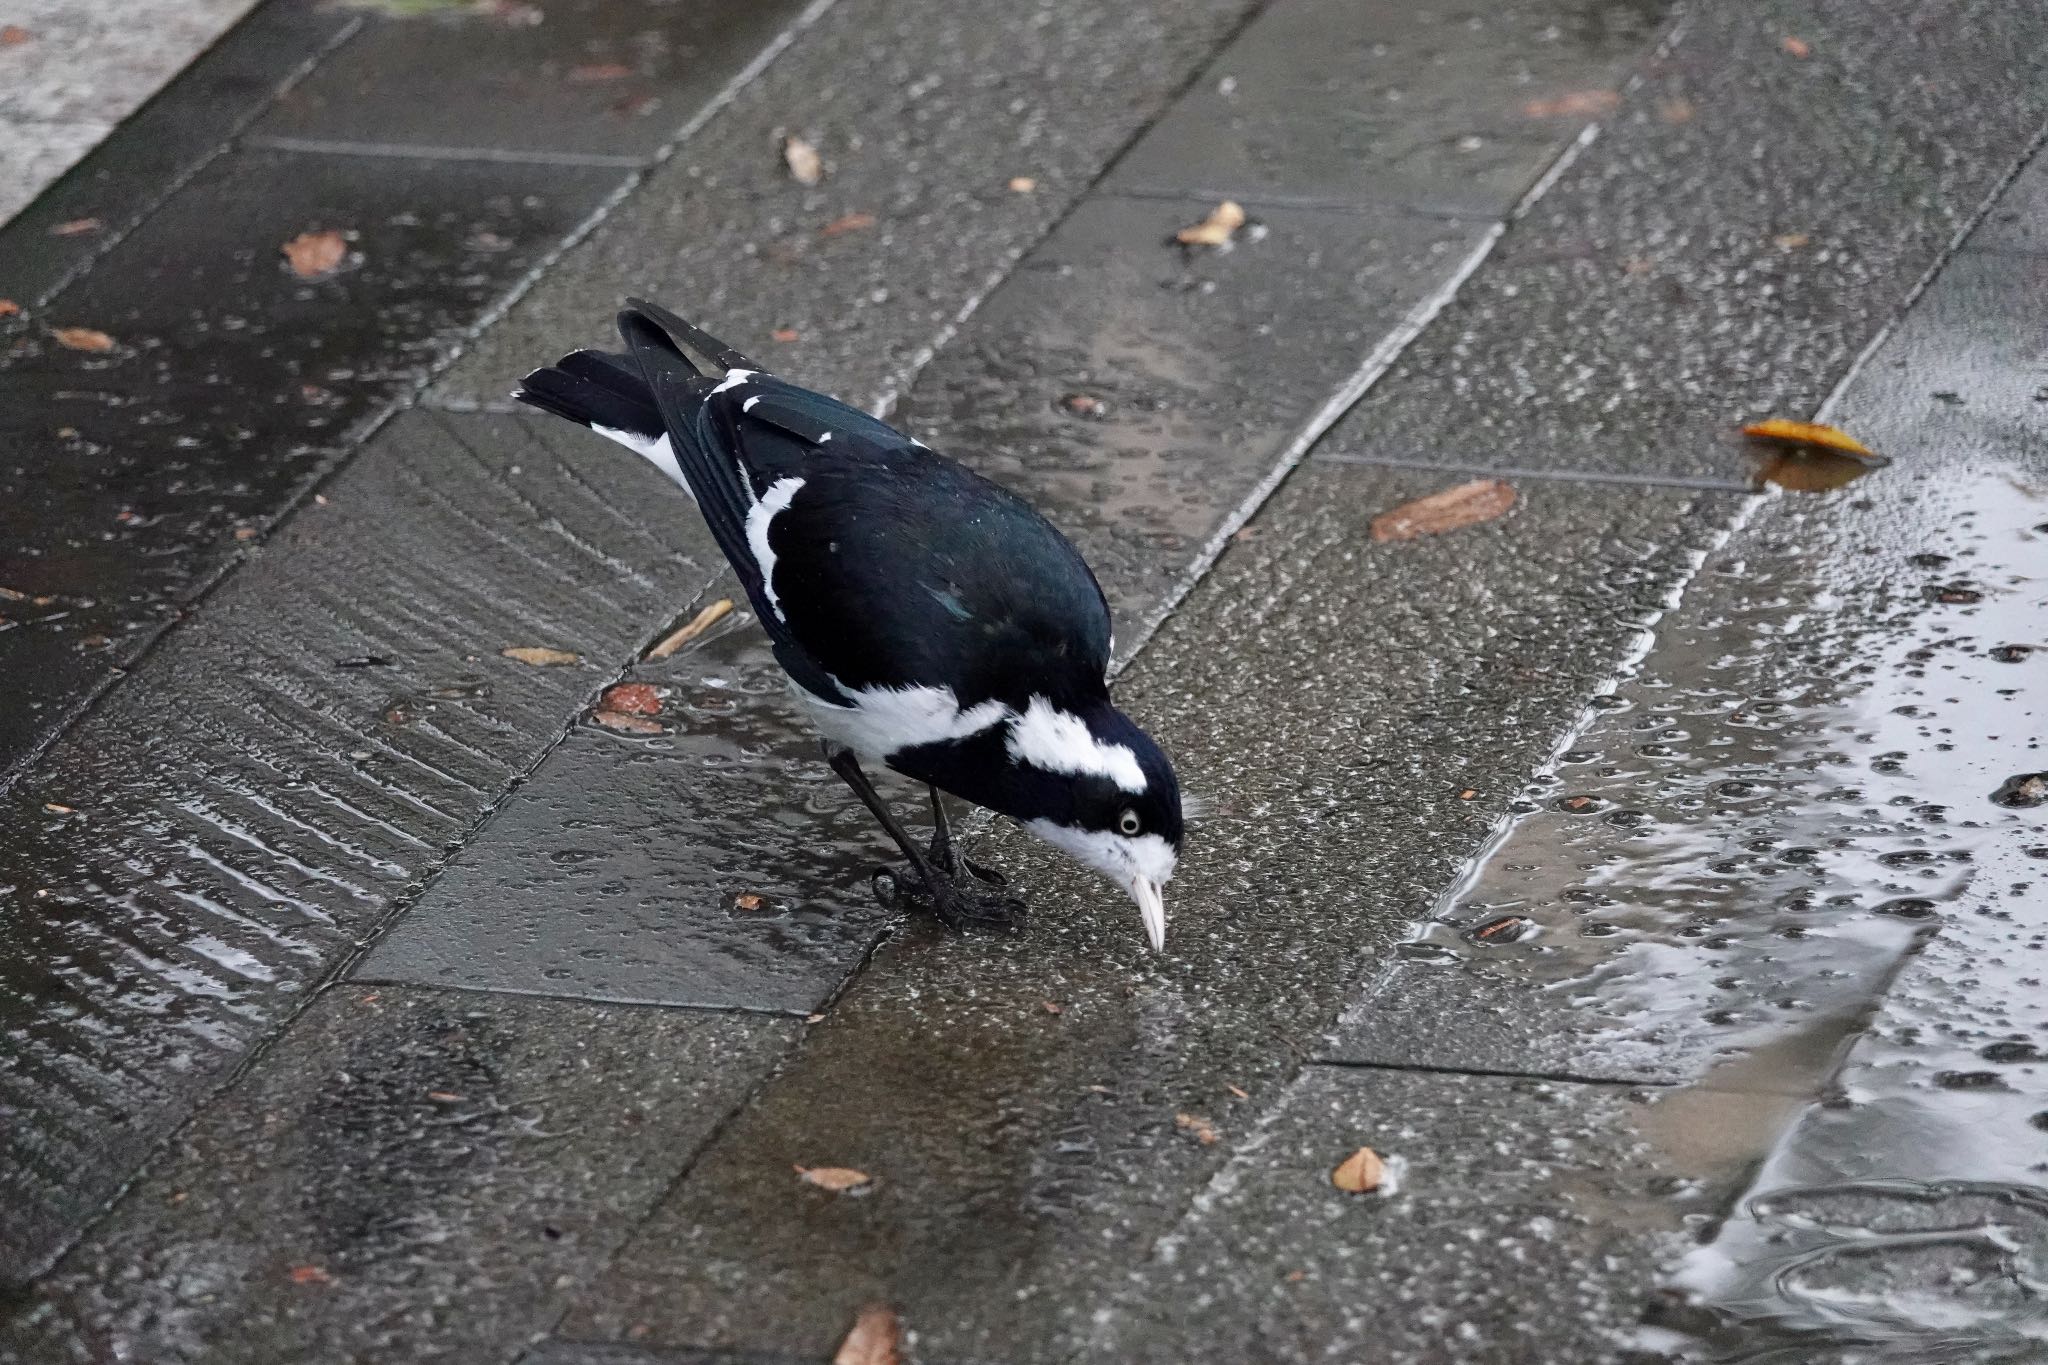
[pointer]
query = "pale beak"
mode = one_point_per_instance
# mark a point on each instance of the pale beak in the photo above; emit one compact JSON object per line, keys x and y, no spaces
{"x":1153,"y":907}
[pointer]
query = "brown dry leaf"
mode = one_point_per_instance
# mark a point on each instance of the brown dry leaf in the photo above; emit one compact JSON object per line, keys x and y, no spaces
{"x":82,"y":339}
{"x":1022,"y":184}
{"x":246,"y":533}
{"x":806,"y":167}
{"x":14,"y":35}
{"x":636,"y":699}
{"x":785,"y":334}
{"x":77,"y":227}
{"x":1792,"y":241}
{"x":1052,"y":1007}
{"x":629,"y":723}
{"x":701,"y":622}
{"x":313,"y":254}
{"x":1677,"y":109}
{"x":852,"y":222}
{"x":592,"y":72}
{"x":1239,"y":1091}
{"x":308,"y":1274}
{"x":1465,"y":505}
{"x":1468,"y":793}
{"x":747,"y":901}
{"x":838,"y":1179}
{"x":1798,"y":47}
{"x":1217,"y":229}
{"x":1808,"y":434}
{"x":1204,"y":1131}
{"x":1360,"y":1173}
{"x":874,"y":1339}
{"x":56,"y":808}
{"x":540,"y":656}
{"x":8,"y":308}
{"x":1573,"y":104}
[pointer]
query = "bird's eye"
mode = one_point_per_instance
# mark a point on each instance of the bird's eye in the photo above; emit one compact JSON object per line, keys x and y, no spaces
{"x":1129,"y":823}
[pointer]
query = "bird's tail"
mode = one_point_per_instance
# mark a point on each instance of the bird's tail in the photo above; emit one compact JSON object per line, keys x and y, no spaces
{"x":598,"y":390}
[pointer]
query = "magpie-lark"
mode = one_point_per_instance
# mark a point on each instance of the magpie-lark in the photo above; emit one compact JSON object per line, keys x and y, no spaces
{"x":928,"y":619}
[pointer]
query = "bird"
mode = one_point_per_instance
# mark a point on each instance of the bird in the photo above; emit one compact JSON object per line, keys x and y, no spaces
{"x":930,"y":621}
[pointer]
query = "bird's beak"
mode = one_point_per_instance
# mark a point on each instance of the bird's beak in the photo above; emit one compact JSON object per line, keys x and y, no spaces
{"x":1153,"y":907}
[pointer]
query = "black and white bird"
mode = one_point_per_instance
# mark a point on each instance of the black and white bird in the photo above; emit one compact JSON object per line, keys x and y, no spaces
{"x":929,"y":620}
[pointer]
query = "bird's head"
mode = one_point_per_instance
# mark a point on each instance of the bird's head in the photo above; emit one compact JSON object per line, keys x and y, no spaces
{"x":1101,"y":791}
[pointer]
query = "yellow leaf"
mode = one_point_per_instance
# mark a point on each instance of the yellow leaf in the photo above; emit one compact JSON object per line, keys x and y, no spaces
{"x":1809,"y":434}
{"x":1360,"y":1173}
{"x":701,"y":622}
{"x":1217,"y":229}
{"x":1465,"y":505}
{"x":540,"y":656}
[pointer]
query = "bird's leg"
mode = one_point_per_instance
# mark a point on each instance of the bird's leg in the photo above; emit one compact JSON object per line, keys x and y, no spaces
{"x":956,"y":906}
{"x":950,"y":860}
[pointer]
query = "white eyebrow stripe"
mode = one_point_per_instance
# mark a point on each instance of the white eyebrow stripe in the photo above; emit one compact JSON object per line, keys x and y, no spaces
{"x":1057,"y":741}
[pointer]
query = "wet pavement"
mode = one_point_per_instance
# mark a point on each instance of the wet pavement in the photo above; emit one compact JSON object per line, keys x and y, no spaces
{"x":1644,"y":872}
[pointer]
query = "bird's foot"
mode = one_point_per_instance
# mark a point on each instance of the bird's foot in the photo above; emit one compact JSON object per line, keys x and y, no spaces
{"x":947,"y":857}
{"x":955,"y":900}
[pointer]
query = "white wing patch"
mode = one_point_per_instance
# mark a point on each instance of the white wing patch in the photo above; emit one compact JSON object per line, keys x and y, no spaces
{"x":885,"y":720}
{"x":1060,"y":742}
{"x":775,"y":500}
{"x":656,"y":450}
{"x":733,"y":379}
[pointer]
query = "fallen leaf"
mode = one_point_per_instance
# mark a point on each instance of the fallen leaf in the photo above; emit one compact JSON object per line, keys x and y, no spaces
{"x":593,"y":72}
{"x":805,"y":165}
{"x":628,"y":722}
{"x":785,"y":334}
{"x":1022,"y":184}
{"x":313,"y":254}
{"x":1506,"y":929}
{"x":1798,"y":47}
{"x":747,"y":901}
{"x":1678,"y":109}
{"x":818,"y":1018}
{"x":540,"y":656}
{"x":1467,"y":794}
{"x":1217,"y":229}
{"x":14,"y":35}
{"x":1360,"y":1173}
{"x":636,"y":699}
{"x":56,"y":809}
{"x":852,"y":222}
{"x":1084,"y":405}
{"x":1238,"y":1091}
{"x":838,"y":1179}
{"x":873,"y":1340}
{"x":1296,"y":1276}
{"x":8,"y":308}
{"x":308,"y":1274}
{"x":1204,"y":1131}
{"x":1808,"y":434}
{"x":1791,"y":241}
{"x":701,"y":622}
{"x":1052,"y":1007}
{"x":246,"y":533}
{"x":445,"y":1096}
{"x":82,"y":339}
{"x":77,"y":227}
{"x":1573,"y":104}
{"x":1465,"y":505}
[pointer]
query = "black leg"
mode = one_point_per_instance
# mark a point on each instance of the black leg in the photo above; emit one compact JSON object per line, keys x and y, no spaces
{"x":949,"y":860}
{"x":957,"y":906}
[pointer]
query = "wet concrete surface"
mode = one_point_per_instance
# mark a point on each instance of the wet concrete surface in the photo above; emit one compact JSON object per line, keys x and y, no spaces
{"x":1539,"y":1241}
{"x":578,"y":78}
{"x":136,"y":476}
{"x":1744,"y":225}
{"x":900,"y":98}
{"x":409,"y":1176}
{"x":1435,"y":105}
{"x":1336,"y":697}
{"x":614,"y":872}
{"x":307,"y":751}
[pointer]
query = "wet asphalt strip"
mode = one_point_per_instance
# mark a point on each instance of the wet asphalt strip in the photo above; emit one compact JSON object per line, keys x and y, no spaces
{"x":385,"y":766}
{"x":1041,"y":1159}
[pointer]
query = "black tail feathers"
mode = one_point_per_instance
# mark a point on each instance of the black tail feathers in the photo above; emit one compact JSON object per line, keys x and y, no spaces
{"x":596,"y":389}
{"x":685,"y":335}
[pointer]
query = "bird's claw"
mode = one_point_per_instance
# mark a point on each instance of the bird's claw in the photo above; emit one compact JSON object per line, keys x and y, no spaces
{"x":958,"y":906}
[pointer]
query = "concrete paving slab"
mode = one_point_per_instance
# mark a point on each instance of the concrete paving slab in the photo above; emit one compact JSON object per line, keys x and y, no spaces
{"x":2019,"y":222}
{"x":1726,"y":247}
{"x":900,"y":97}
{"x":579,"y":78}
{"x":182,"y":127}
{"x":136,"y":476}
{"x":84,"y":63}
{"x":1336,"y":696}
{"x":613,"y":874}
{"x":1793,"y":790}
{"x":285,"y":770}
{"x":33,"y":154}
{"x":407,"y":1176}
{"x":1434,"y":105}
{"x":1538,"y":1241}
